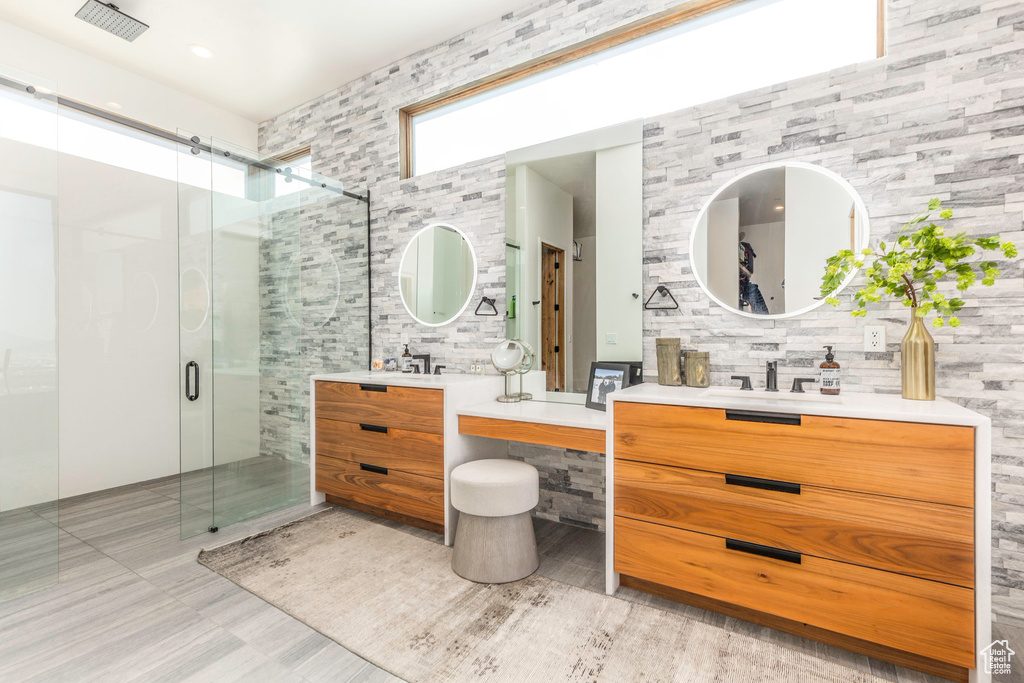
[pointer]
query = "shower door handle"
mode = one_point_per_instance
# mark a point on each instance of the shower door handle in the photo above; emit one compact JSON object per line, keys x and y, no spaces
{"x":189,"y":393}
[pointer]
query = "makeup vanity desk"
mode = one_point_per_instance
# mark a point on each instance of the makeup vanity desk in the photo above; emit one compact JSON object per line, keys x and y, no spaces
{"x":565,"y":425}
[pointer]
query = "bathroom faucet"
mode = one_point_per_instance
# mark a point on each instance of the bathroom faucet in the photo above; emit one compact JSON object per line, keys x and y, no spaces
{"x":771,"y":382}
{"x":746,"y":382}
{"x":799,"y":382}
{"x":425,"y":357}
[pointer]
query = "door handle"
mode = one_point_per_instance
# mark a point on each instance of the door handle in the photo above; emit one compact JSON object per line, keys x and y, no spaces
{"x":191,"y":394}
{"x":374,"y":387}
{"x":763,"y":550}
{"x":758,"y":416}
{"x":373,"y":428}
{"x":766,"y":484}
{"x":373,"y":468}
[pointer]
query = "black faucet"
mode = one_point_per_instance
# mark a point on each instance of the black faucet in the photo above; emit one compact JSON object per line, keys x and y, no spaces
{"x":799,"y":382}
{"x":771,"y":382}
{"x":437,"y":369}
{"x":746,"y":382}
{"x":425,"y":357}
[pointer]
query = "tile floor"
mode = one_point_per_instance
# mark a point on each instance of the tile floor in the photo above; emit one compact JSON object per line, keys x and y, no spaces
{"x":133,"y":604}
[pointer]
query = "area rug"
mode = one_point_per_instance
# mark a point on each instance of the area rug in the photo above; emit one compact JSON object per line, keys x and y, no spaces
{"x":392,"y":598}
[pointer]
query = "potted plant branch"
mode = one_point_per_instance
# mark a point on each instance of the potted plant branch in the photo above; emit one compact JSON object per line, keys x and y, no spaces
{"x":910,"y":269}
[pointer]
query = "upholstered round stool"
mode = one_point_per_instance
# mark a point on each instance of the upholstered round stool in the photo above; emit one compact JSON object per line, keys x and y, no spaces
{"x":494,"y":540}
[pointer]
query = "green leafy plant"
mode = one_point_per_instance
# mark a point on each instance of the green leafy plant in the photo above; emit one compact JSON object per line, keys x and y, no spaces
{"x":912,"y":267}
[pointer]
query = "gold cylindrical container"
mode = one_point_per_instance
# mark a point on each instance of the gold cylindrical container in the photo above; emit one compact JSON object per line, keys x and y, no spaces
{"x":698,"y":369}
{"x":669,"y":364}
{"x":917,"y":361}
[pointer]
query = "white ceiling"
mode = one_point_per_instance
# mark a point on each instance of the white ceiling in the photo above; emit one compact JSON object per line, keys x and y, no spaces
{"x":269,"y":55}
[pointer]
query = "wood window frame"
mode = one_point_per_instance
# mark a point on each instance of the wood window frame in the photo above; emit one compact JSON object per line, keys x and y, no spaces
{"x":680,"y":14}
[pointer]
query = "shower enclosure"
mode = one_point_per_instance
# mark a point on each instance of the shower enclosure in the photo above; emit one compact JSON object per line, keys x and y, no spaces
{"x":274,"y":287}
{"x":28,"y":333}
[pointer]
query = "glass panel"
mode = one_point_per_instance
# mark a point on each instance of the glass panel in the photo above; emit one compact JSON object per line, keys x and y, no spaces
{"x":195,"y":336}
{"x":276,"y":297}
{"x":28,"y":333}
{"x":738,"y":49}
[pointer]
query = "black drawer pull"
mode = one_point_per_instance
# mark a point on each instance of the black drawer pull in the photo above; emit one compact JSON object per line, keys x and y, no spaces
{"x":375,"y":469}
{"x":374,"y":428}
{"x":374,"y":387}
{"x":758,"y":416}
{"x":766,"y":484}
{"x":763,"y":550}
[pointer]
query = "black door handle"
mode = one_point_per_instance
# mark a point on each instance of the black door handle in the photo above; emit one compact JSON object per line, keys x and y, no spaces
{"x":373,"y":468}
{"x":374,"y":428}
{"x":189,"y":393}
{"x":763,"y":550}
{"x":766,"y":484}
{"x":374,"y":387}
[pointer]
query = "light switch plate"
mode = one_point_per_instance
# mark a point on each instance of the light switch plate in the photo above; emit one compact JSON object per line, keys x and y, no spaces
{"x":611,"y":338}
{"x":874,"y":338}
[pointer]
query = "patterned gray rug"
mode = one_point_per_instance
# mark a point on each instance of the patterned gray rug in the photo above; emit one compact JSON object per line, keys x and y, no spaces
{"x":392,"y":598}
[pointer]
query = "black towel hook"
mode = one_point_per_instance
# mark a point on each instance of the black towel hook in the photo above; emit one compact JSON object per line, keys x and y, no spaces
{"x":664,"y":291}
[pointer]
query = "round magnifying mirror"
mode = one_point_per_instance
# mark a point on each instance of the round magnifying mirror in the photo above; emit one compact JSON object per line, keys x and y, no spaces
{"x":760,"y":243}
{"x":437,"y":275}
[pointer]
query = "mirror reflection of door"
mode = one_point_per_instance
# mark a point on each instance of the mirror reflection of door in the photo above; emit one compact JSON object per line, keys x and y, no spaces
{"x":552,"y":317}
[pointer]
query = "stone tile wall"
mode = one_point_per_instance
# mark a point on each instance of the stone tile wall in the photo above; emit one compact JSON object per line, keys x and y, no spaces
{"x":942,"y":115}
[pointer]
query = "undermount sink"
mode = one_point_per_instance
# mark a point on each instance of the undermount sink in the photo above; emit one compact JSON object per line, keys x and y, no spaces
{"x":762,"y":395}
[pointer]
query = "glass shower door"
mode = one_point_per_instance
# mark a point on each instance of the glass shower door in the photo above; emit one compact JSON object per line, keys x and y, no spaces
{"x":28,"y":333}
{"x":267,"y":298}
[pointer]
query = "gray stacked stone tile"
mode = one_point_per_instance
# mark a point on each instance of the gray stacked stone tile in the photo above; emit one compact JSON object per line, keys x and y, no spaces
{"x":942,"y":115}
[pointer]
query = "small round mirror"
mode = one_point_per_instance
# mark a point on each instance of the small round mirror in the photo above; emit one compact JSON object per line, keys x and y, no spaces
{"x":760,"y":243}
{"x":437,"y":275}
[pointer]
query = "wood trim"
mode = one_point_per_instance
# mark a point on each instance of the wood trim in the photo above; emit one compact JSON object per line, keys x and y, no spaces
{"x":576,"y":438}
{"x":881,"y":28}
{"x":386,"y":514}
{"x":864,"y":647}
{"x":687,"y":11}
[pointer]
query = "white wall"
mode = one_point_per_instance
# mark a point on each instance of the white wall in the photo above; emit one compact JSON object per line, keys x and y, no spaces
{"x":817,"y":226}
{"x":620,"y":241}
{"x":723,"y":250}
{"x":584,"y":315}
{"x":86,"y":79}
{"x":118,"y":326}
{"x":543,"y":214}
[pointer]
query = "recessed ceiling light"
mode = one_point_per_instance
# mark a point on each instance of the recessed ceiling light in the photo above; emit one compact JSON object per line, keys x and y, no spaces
{"x":43,"y":91}
{"x":113,"y":105}
{"x":780,"y":207}
{"x":200,"y":51}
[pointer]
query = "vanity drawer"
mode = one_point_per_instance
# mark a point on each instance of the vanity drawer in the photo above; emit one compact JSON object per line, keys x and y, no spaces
{"x":907,"y":460}
{"x":401,"y":492}
{"x":928,"y":618}
{"x":418,"y":410}
{"x":419,"y":453}
{"x":920,"y":539}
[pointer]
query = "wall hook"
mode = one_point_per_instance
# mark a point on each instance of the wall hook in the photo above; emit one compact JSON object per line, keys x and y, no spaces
{"x":664,"y":291}
{"x":490,"y":302}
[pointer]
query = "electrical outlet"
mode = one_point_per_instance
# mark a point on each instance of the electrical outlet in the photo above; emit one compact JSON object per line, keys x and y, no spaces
{"x":874,"y":338}
{"x":611,"y":338}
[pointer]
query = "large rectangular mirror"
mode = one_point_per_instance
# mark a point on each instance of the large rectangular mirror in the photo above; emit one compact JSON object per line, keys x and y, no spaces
{"x":574,"y":256}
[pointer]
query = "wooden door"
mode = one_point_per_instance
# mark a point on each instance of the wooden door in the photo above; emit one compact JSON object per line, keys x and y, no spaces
{"x":552,"y":317}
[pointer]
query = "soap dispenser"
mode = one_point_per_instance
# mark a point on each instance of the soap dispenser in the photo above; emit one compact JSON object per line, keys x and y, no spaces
{"x":829,"y":374}
{"x":407,"y":360}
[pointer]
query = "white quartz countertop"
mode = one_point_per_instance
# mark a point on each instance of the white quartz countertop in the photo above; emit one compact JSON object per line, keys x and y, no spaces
{"x":540,"y":412}
{"x":855,"y":405}
{"x":405,"y":379}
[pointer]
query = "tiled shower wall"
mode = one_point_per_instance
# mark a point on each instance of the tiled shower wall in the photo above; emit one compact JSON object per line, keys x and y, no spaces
{"x":942,"y":115}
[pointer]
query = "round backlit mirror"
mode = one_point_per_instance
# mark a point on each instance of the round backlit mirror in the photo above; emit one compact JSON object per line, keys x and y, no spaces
{"x":760,"y":243}
{"x":437,"y":275}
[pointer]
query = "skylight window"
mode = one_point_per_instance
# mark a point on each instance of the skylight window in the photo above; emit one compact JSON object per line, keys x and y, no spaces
{"x":749,"y":45}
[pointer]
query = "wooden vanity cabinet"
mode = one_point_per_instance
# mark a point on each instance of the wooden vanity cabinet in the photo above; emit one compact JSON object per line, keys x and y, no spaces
{"x":380,"y":449}
{"x":859,"y":533}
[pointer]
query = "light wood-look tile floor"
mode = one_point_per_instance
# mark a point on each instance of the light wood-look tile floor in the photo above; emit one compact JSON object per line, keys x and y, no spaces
{"x":133,"y":604}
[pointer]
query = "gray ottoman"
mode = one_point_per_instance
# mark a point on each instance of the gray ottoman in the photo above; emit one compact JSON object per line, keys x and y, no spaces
{"x":494,"y":540}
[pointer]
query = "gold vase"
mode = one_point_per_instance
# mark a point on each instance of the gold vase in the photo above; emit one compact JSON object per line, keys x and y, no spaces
{"x":917,"y":361}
